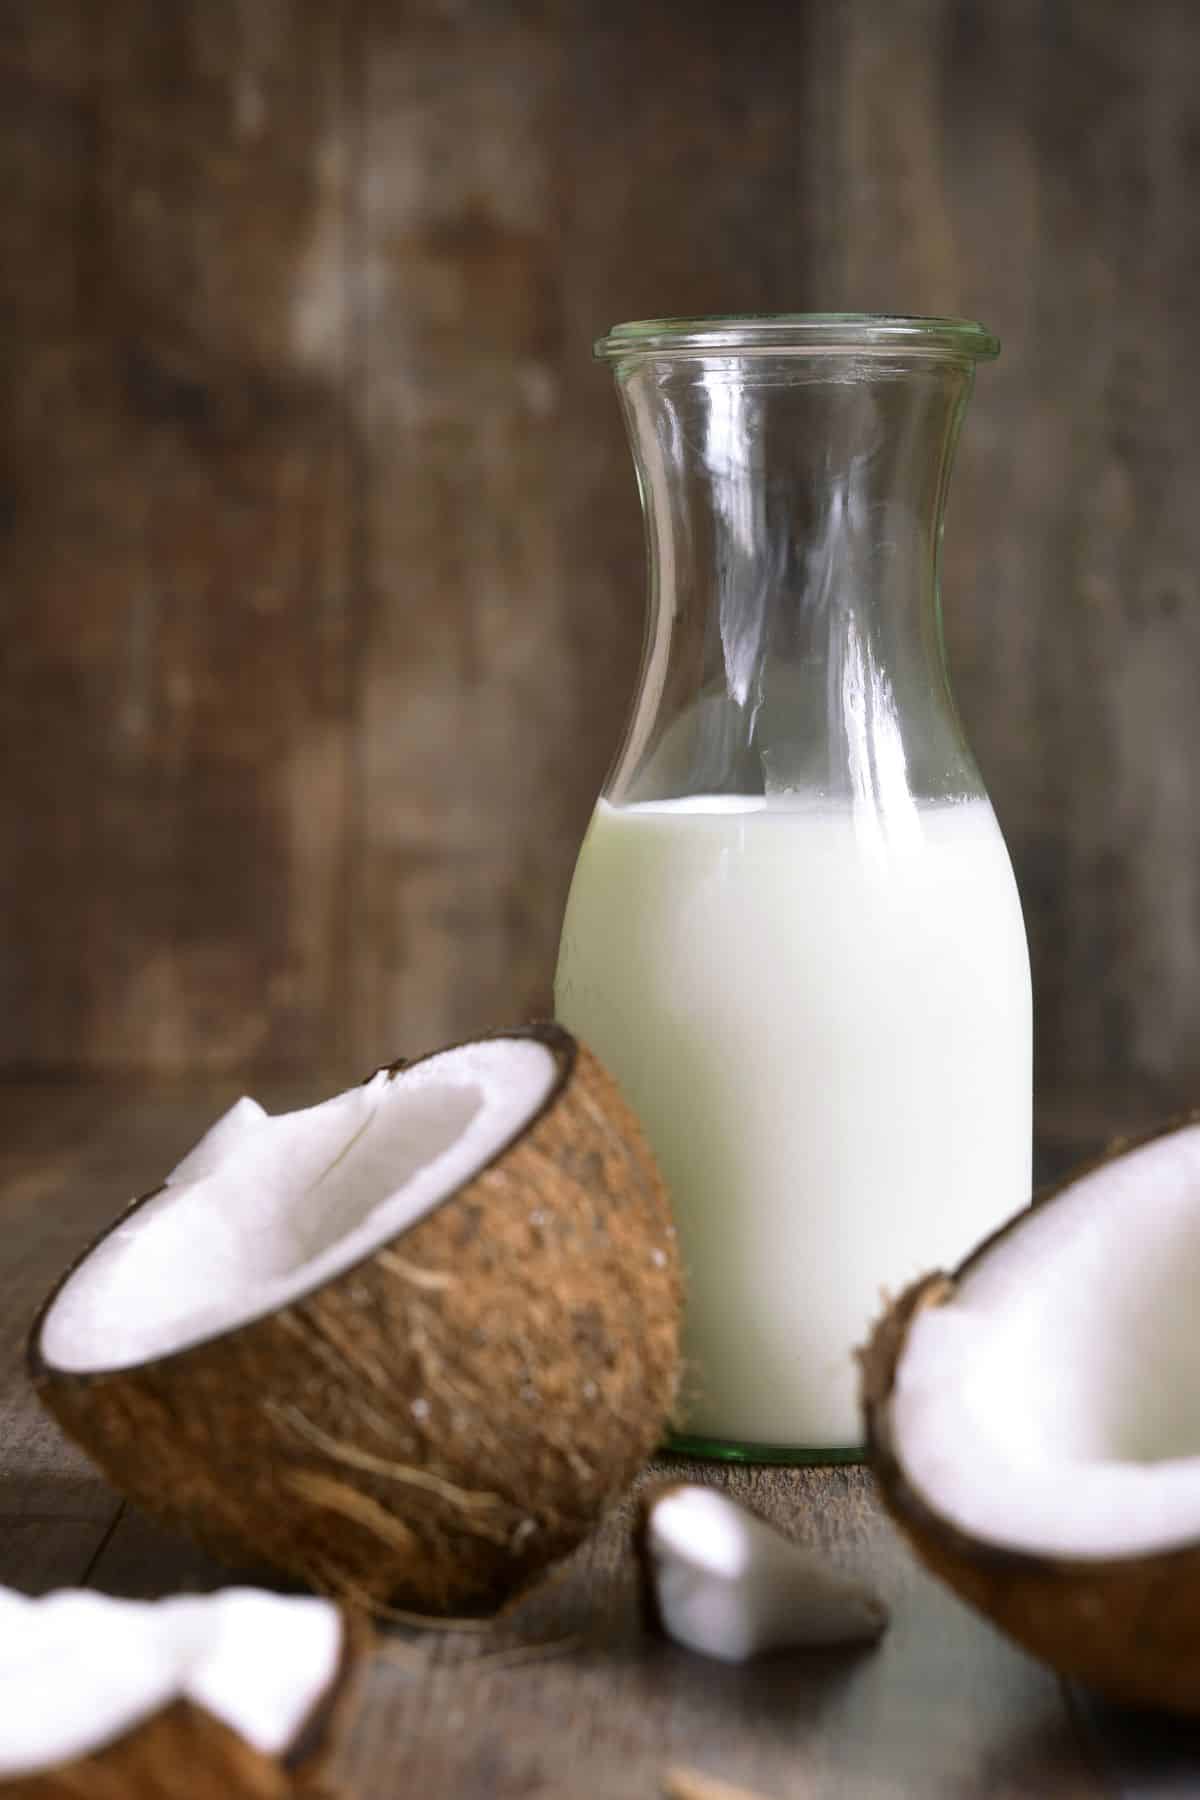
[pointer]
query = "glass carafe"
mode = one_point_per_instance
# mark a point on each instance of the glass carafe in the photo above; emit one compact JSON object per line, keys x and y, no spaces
{"x":793,"y":933}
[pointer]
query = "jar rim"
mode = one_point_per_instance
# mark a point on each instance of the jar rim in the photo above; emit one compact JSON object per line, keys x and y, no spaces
{"x":858,"y":333}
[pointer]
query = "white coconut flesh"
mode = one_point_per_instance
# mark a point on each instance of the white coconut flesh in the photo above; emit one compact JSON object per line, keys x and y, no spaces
{"x":730,"y":1586}
{"x":267,"y":1207}
{"x":79,"y":1670}
{"x":1053,"y":1404}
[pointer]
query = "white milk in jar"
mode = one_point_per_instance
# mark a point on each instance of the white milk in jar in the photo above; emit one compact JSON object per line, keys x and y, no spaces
{"x":822,"y":1018}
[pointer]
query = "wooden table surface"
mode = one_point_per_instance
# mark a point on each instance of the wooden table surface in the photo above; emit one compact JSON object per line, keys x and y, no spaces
{"x":569,"y":1700}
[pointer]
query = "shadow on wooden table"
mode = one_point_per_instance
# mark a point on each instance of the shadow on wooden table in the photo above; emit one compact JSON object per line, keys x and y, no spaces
{"x":1155,"y":1753}
{"x":57,"y":1532}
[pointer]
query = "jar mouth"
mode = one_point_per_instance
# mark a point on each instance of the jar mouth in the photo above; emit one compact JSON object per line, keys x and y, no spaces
{"x":802,"y":333}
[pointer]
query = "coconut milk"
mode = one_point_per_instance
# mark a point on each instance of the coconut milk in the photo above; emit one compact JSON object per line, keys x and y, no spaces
{"x":824,"y":1023}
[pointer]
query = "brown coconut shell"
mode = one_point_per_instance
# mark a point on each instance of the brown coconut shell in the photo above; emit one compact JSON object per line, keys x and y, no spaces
{"x":435,"y":1425}
{"x":183,"y":1749}
{"x":1130,"y":1626}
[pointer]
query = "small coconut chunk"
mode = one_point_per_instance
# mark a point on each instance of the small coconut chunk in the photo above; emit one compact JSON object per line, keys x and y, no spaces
{"x":727,"y":1584}
{"x":79,"y":1670}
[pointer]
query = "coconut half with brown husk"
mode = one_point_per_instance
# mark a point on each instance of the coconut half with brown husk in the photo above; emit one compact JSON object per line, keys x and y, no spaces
{"x":405,"y":1345}
{"x":229,"y":1696}
{"x":1034,"y":1421}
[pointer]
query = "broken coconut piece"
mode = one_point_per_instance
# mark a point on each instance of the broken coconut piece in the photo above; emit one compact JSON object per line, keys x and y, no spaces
{"x":406,"y":1345}
{"x":226,"y":1694}
{"x":724,"y":1582}
{"x":1034,"y":1422}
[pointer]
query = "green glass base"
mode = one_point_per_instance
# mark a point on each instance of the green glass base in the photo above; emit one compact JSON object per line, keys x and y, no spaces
{"x":723,"y":1450}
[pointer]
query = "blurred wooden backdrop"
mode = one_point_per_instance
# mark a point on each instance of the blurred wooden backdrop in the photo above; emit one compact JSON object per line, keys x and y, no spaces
{"x":320,"y":561}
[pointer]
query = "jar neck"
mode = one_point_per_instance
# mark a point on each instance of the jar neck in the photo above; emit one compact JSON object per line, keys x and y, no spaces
{"x":793,"y":507}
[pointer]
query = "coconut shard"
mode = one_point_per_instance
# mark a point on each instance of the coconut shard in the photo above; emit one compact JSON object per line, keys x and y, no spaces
{"x":405,"y":1345}
{"x":1034,"y":1422}
{"x":723,"y":1581}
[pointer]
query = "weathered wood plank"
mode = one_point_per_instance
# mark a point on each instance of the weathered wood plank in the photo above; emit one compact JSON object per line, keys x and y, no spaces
{"x":942,"y":1708}
{"x":466,"y":710}
{"x":820,"y":154}
{"x":571,"y":1697}
{"x":54,"y":1509}
{"x":174,"y":706}
{"x":318,"y":540}
{"x":1037,"y":169}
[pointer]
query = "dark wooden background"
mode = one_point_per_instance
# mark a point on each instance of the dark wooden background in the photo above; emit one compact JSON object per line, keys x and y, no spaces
{"x":320,"y":562}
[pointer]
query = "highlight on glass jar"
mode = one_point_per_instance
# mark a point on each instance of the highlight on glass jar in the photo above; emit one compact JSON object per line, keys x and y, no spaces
{"x":793,"y":932}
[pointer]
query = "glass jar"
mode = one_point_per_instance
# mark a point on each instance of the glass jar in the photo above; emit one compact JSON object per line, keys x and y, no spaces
{"x":793,"y":933}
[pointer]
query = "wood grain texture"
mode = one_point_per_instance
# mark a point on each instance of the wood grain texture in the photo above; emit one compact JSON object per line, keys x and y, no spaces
{"x":319,"y":549}
{"x":173,"y":710}
{"x":466,"y":716}
{"x":54,"y":1513}
{"x":568,"y":1697}
{"x":942,"y":1708}
{"x":1069,"y":137}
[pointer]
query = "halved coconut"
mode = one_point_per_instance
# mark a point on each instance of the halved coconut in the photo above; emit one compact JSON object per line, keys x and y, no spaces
{"x":405,"y":1345}
{"x":230,"y":1696}
{"x":1034,"y":1421}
